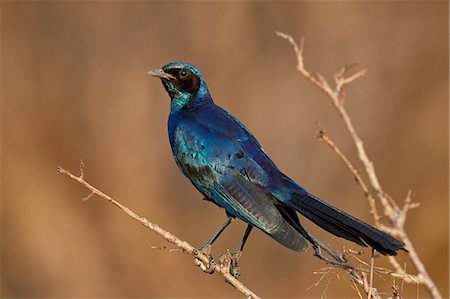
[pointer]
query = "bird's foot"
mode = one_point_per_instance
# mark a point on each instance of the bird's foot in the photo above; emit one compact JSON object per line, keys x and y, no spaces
{"x":230,"y":261}
{"x":336,"y":261}
{"x":234,"y":267}
{"x":211,"y":267}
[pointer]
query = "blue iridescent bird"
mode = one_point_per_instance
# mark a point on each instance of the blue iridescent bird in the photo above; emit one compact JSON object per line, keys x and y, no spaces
{"x":225,"y":162}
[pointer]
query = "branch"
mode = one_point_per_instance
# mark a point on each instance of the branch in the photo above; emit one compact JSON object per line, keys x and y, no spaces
{"x":395,"y":215}
{"x":201,"y":259}
{"x":322,"y":135}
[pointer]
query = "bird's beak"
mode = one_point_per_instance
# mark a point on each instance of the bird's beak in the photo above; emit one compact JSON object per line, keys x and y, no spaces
{"x":161,"y":74}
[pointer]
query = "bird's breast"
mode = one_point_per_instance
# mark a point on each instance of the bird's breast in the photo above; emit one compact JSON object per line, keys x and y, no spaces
{"x":190,"y":154}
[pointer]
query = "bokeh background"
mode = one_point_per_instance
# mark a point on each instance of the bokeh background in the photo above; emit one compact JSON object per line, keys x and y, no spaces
{"x":74,"y":85}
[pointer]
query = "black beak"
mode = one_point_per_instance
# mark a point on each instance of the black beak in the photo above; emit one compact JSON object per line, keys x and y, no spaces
{"x":161,"y":74}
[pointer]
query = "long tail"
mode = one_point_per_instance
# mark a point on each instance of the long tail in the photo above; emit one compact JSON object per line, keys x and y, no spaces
{"x":342,"y":224}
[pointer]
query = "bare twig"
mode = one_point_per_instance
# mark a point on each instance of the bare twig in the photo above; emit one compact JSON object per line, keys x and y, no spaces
{"x":357,"y":289}
{"x":202,"y":259}
{"x":395,"y":215}
{"x":372,"y":262}
{"x":322,"y":135}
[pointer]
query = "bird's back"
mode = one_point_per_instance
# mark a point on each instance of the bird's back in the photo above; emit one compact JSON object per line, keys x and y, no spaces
{"x":221,"y":130}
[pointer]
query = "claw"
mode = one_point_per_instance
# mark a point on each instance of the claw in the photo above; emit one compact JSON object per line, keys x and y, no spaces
{"x":229,"y":261}
{"x":212,"y":264}
{"x":234,"y":267}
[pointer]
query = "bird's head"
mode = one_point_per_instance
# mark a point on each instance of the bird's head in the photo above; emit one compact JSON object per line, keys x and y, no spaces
{"x":183,"y":82}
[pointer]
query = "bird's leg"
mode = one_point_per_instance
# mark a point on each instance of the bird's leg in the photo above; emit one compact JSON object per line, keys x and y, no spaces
{"x":208,"y":244}
{"x":338,"y":260}
{"x":217,"y":233}
{"x":318,"y":246}
{"x":237,"y":253}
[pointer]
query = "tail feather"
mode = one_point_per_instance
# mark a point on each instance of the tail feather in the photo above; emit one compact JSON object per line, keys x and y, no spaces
{"x":289,"y":237}
{"x":343,"y":225}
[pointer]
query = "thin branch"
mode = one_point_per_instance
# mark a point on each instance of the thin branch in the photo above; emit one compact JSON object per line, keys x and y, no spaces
{"x":372,"y":262}
{"x":334,"y":95}
{"x":357,"y":290}
{"x":322,"y":135}
{"x":202,"y":260}
{"x":396,"y":216}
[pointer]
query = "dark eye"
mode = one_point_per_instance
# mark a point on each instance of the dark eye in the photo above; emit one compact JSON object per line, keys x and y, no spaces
{"x":183,"y":74}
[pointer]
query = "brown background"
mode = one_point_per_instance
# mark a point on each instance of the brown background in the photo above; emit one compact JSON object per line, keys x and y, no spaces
{"x":74,"y":86}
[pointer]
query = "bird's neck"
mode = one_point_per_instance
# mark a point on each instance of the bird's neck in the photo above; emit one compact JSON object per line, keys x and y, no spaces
{"x":186,"y":101}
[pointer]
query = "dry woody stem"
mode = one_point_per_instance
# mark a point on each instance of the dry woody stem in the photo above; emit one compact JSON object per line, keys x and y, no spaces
{"x":223,"y":268}
{"x":396,"y":215}
{"x":201,"y":259}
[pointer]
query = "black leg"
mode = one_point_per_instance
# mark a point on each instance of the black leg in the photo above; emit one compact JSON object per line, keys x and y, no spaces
{"x":337,"y":260}
{"x":217,"y":233}
{"x":234,"y":268}
{"x":244,"y":239}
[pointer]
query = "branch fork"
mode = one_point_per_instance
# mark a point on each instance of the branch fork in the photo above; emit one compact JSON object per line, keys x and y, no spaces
{"x":391,"y":211}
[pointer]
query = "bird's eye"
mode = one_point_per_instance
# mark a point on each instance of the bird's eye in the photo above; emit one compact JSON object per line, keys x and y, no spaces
{"x":183,"y":74}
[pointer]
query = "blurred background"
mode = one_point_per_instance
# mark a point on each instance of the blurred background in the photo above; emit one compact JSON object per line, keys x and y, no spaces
{"x":74,"y":86}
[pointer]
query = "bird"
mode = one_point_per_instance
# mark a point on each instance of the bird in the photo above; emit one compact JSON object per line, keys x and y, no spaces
{"x":228,"y":166}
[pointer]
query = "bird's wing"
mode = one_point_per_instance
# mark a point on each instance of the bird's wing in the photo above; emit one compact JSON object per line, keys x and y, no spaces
{"x":222,"y":171}
{"x":242,"y":184}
